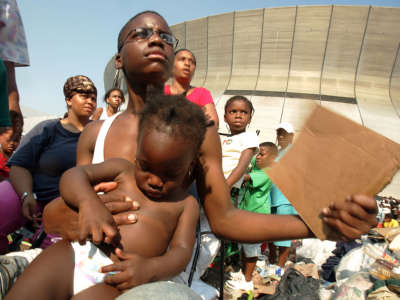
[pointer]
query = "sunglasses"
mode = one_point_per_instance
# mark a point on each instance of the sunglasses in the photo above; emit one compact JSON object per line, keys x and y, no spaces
{"x":143,"y":33}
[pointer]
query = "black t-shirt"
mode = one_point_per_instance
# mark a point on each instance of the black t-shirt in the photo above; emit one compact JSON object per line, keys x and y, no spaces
{"x":46,"y":151}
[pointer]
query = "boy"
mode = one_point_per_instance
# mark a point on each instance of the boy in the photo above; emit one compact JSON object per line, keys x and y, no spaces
{"x":256,"y":199}
{"x":171,"y":131}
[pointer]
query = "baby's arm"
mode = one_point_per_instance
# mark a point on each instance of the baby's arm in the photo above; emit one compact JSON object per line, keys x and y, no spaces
{"x":244,"y":161}
{"x":133,"y":270}
{"x":76,"y":188}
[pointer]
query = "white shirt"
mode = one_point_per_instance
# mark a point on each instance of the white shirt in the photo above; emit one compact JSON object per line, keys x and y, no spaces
{"x":232,"y":148}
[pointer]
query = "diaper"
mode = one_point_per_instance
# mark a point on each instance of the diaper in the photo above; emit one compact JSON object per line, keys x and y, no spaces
{"x":88,"y":263}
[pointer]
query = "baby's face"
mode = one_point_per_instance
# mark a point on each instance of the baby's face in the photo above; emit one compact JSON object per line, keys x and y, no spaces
{"x":162,"y":163}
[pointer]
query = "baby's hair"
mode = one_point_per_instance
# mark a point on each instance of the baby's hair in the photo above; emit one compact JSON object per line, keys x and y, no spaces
{"x":273,"y":149}
{"x":175,"y":116}
{"x":112,"y":90}
{"x":120,"y":39}
{"x":240,"y":98}
{"x":187,"y":50}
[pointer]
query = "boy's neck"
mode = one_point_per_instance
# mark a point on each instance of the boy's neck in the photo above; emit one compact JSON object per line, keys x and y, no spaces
{"x":138,"y":95}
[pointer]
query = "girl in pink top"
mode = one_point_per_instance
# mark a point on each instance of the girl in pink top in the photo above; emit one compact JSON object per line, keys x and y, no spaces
{"x":184,"y":67}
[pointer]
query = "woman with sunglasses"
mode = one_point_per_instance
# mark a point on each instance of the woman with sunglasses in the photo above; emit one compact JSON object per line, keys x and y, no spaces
{"x":183,"y":71}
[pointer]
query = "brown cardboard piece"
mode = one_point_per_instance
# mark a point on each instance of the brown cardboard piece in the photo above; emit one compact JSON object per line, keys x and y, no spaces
{"x":333,"y":157}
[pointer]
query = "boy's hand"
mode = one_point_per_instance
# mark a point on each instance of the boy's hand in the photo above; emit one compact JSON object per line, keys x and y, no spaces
{"x":354,"y":217}
{"x":94,"y":220}
{"x":131,"y":271}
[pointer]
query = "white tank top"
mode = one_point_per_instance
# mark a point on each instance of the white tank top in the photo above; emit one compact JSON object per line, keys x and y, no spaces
{"x":98,"y":154}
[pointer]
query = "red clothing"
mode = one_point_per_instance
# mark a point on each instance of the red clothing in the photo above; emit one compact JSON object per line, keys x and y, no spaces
{"x":199,"y":95}
{"x":4,"y":170}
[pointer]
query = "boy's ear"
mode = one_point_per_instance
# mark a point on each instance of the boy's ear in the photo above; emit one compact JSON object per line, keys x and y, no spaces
{"x":118,"y":61}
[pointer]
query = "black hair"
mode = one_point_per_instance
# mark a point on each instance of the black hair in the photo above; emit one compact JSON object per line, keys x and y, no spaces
{"x":175,"y":116}
{"x":273,"y":148}
{"x":120,"y":39}
{"x":240,"y":98}
{"x":112,"y":90}
{"x":185,"y":49}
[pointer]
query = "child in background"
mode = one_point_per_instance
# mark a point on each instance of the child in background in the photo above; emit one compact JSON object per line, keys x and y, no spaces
{"x":9,"y":141}
{"x":256,"y":199}
{"x":279,"y":204}
{"x":114,"y":98}
{"x":239,"y":146}
{"x":171,"y":131}
{"x":389,"y":221}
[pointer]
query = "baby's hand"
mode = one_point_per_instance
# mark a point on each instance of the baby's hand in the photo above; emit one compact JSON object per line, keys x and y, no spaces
{"x":354,"y":217}
{"x":131,"y":271}
{"x":96,"y":221}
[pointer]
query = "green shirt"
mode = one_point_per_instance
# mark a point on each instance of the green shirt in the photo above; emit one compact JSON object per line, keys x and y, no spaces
{"x":257,"y":196}
{"x":4,"y":112}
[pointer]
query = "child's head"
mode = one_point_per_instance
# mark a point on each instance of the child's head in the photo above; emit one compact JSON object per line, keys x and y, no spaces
{"x":8,"y":141}
{"x":114,"y":97}
{"x":145,"y":49}
{"x":266,"y":155}
{"x":238,"y":113}
{"x":171,"y":131}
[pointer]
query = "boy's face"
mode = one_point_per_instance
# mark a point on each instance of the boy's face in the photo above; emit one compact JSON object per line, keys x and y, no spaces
{"x":264,"y":158}
{"x":162,"y":163}
{"x":146,"y":60}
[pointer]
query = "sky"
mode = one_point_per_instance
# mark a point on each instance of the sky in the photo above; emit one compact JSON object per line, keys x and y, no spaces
{"x":67,"y":38}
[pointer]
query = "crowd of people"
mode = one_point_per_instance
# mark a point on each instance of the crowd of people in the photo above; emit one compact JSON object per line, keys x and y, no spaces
{"x":141,"y":230}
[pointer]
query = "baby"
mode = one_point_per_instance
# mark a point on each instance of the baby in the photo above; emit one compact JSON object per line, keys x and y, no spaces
{"x":171,"y":130}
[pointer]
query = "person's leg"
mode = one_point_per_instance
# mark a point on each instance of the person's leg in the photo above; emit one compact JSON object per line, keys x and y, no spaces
{"x":13,"y":97}
{"x":272,"y":253}
{"x":283,"y":256}
{"x":49,"y":276}
{"x":249,"y":264}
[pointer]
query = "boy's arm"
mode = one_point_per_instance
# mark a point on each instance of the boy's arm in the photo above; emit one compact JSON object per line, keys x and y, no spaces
{"x":135,"y":270}
{"x":77,"y":191}
{"x":351,"y":219}
{"x":243,"y":164}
